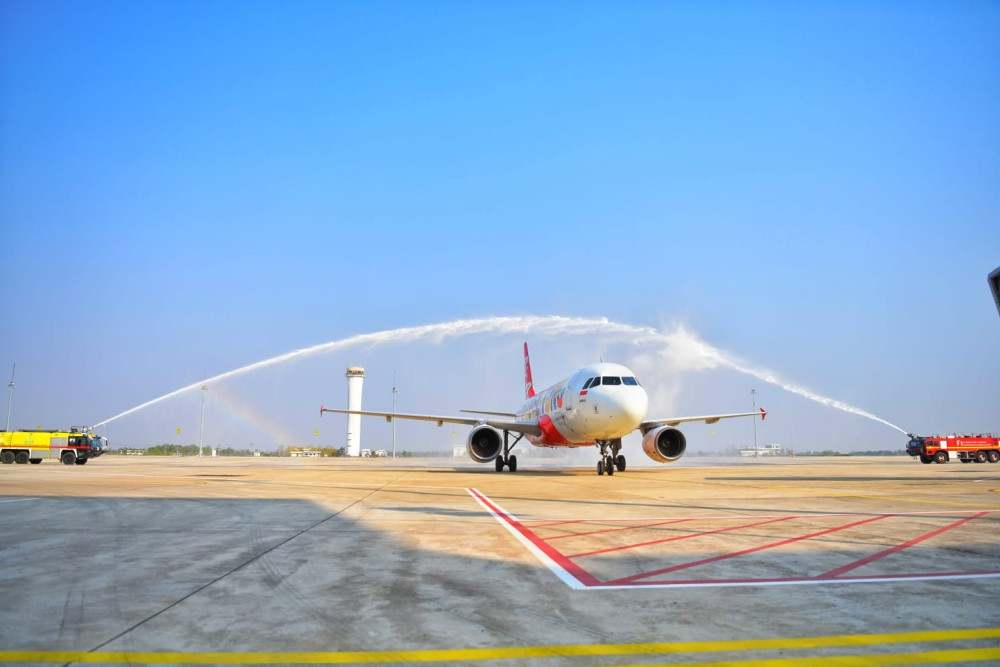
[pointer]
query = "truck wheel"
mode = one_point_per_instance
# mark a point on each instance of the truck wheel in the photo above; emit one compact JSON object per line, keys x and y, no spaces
{"x":941,"y":457}
{"x":7,"y":456}
{"x":35,"y":461}
{"x":994,"y":456}
{"x":80,"y":462}
{"x":68,"y":458}
{"x":926,"y":459}
{"x":982,"y":456}
{"x":21,"y":458}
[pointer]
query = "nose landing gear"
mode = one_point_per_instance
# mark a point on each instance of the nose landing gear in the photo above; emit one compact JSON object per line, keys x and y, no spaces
{"x":610,"y":460}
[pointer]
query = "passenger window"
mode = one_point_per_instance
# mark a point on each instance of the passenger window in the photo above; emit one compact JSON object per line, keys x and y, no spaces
{"x":630,"y":381}
{"x":611,"y":380}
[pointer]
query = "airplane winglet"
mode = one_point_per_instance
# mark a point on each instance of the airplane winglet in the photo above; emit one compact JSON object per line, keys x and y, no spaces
{"x":321,"y":411}
{"x":763,"y":413}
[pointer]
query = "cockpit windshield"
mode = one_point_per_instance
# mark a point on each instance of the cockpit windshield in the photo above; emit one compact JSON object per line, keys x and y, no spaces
{"x":611,"y":381}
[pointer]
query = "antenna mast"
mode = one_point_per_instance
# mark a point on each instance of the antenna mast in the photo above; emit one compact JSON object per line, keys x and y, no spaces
{"x":394,"y":393}
{"x":10,"y":395}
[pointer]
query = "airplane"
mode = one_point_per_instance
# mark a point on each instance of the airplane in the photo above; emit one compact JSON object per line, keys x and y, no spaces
{"x":597,"y":405}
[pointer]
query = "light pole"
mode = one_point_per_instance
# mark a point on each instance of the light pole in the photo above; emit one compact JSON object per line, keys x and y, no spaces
{"x":394,"y":393}
{"x":10,"y":395}
{"x":201,"y":427}
{"x":753,"y":398}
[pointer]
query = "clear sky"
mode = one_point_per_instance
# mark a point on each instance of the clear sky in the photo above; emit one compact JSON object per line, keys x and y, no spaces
{"x":187,"y":188}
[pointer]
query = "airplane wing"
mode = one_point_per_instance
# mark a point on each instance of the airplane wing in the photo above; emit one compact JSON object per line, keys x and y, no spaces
{"x":487,"y":412}
{"x":708,"y":419}
{"x":526,"y":427}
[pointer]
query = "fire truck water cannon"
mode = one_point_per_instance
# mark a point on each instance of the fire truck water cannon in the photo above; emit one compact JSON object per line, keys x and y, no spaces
{"x":981,"y":448}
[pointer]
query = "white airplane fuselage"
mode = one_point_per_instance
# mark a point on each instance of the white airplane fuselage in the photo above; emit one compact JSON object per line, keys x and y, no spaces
{"x":577,"y":411}
{"x":597,"y":405}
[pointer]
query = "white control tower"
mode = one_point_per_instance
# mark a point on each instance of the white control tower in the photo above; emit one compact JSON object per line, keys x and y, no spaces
{"x":355,"y":380}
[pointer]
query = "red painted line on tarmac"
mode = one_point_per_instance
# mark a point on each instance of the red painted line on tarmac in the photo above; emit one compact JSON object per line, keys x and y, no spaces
{"x":809,"y":515}
{"x":665,"y":583}
{"x":612,"y":530}
{"x":576,"y":577}
{"x":680,"y":537}
{"x":557,"y":558}
{"x":899,"y":547}
{"x":713,"y":559}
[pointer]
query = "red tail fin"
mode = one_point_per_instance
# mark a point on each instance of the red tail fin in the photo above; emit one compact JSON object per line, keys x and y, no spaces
{"x":529,"y":388}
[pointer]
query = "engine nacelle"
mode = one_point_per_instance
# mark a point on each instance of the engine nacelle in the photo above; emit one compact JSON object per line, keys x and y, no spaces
{"x":664,"y":444}
{"x":484,"y":444}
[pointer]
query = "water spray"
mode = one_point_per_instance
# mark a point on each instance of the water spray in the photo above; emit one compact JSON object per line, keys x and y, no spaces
{"x":697,"y":354}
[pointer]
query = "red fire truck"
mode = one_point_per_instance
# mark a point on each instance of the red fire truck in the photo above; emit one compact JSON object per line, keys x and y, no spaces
{"x":966,"y":448}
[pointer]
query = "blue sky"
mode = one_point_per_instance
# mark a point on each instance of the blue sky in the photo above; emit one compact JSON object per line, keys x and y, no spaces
{"x":186,"y":188}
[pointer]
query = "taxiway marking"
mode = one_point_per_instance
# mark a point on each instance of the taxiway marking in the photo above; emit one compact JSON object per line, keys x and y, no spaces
{"x":580,"y":650}
{"x":577,"y":577}
{"x":899,"y":547}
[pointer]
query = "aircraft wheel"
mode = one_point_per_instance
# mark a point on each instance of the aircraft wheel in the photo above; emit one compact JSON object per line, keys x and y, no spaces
{"x":994,"y":456}
{"x":512,"y":463}
{"x":620,"y":463}
{"x":499,"y":463}
{"x":68,"y":458}
{"x":21,"y":457}
{"x":35,"y":461}
{"x":7,"y":457}
{"x":609,"y":465}
{"x":941,"y":457}
{"x":600,"y":467}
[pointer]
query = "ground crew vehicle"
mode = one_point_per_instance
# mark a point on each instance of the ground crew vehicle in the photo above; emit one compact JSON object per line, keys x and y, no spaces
{"x":966,"y":448}
{"x":71,"y":447}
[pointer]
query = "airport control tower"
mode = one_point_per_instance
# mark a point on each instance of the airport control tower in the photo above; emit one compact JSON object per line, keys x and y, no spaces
{"x":355,"y":379}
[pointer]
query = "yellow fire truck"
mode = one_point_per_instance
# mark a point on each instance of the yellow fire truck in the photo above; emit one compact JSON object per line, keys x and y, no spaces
{"x":70,"y":447}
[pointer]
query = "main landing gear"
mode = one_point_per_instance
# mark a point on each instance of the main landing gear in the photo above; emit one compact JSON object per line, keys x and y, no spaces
{"x":507,"y":459}
{"x":609,"y":461}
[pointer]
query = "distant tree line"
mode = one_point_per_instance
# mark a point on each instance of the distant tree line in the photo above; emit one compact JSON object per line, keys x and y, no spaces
{"x":192,"y":450}
{"x":870,"y":452}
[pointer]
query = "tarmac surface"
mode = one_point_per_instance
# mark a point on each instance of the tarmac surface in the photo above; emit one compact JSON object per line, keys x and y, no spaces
{"x":131,"y":560}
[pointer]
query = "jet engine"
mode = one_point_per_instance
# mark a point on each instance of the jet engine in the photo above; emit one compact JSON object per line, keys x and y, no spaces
{"x":664,"y":444}
{"x":484,"y":444}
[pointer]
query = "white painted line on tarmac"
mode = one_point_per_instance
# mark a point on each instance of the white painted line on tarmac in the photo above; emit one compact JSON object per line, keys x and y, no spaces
{"x":538,"y":550}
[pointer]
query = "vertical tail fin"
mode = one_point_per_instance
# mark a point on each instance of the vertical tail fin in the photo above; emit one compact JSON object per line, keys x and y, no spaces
{"x":529,"y":388}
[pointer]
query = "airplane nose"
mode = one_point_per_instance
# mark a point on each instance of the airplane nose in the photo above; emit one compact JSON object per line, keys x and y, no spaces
{"x":630,"y":407}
